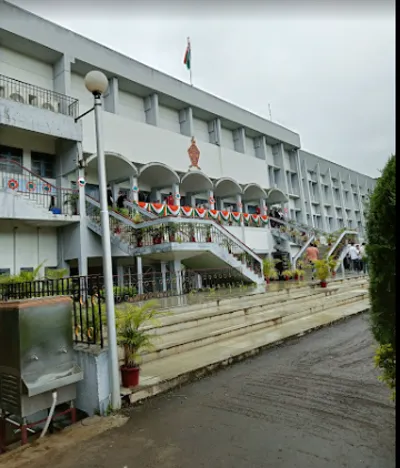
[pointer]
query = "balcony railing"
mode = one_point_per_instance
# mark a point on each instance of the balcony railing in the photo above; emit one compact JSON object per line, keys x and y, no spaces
{"x":35,"y":96}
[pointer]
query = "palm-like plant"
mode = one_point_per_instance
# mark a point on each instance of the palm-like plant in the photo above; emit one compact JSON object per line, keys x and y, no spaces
{"x":131,"y":323}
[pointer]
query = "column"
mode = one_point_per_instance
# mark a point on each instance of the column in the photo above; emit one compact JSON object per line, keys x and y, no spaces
{"x":301,"y":188}
{"x":239,"y":203}
{"x":211,"y":197}
{"x":139,"y":272}
{"x":263,"y":208}
{"x":307,"y":184}
{"x":344,"y":214}
{"x":186,"y":121}
{"x":176,"y":194}
{"x":151,"y":109}
{"x":214,"y":131}
{"x":335,"y":220}
{"x":62,"y":75}
{"x":360,"y":204}
{"x":239,"y":140}
{"x":111,"y":98}
{"x":120,"y":274}
{"x":321,"y":199}
{"x":260,"y":146}
{"x":164,"y":276}
{"x":155,"y":195}
{"x":83,"y":229}
{"x":176,"y":268}
{"x":134,"y":192}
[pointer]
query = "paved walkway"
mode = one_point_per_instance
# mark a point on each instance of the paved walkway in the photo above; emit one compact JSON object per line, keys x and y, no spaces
{"x":314,"y":402}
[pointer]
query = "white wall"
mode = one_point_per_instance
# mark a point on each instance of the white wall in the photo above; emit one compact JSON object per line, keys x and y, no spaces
{"x":257,"y":239}
{"x":200,"y":130}
{"x":131,"y":107}
{"x":169,"y":119}
{"x":28,"y":247}
{"x":26,"y":69}
{"x":142,"y":143}
{"x":250,"y":150}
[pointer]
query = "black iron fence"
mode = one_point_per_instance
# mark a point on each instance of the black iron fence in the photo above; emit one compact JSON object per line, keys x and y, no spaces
{"x":88,"y":294}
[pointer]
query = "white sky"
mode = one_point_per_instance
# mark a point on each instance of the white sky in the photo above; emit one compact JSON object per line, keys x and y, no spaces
{"x":328,"y":72}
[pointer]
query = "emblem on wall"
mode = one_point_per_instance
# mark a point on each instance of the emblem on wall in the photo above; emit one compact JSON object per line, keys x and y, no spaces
{"x":194,"y":155}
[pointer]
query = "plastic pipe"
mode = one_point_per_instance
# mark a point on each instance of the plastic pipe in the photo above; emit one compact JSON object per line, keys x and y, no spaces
{"x":51,"y":412}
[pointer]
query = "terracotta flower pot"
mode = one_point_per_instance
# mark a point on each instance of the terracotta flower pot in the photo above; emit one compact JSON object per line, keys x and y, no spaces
{"x":130,"y":376}
{"x":324,"y":284}
{"x":267,"y":280}
{"x":172,"y":238}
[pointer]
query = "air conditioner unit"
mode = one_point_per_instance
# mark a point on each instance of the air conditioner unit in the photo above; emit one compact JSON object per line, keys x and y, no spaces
{"x":50,"y":104}
{"x":15,"y":96}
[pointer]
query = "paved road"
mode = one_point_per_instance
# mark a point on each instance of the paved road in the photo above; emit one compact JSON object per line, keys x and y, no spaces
{"x":312,"y":403}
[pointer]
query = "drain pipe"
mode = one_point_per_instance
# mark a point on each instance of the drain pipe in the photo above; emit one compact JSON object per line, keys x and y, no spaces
{"x":51,"y":412}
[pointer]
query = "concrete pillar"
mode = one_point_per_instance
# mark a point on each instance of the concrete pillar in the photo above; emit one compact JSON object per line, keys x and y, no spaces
{"x":120,"y":274}
{"x":334,"y":217}
{"x":111,"y":98}
{"x":263,"y":208}
{"x":186,"y":121}
{"x":308,"y":194}
{"x":139,"y":271}
{"x":83,"y":229}
{"x":155,"y":195}
{"x":239,"y":203}
{"x":260,"y":145}
{"x":151,"y":110}
{"x":134,"y":191}
{"x":214,"y":131}
{"x":239,"y":140}
{"x":300,"y":176}
{"x":176,"y":280}
{"x":321,"y":199}
{"x":115,"y":191}
{"x":62,"y":76}
{"x":164,"y":276}
{"x":176,"y":194}
{"x":211,"y":197}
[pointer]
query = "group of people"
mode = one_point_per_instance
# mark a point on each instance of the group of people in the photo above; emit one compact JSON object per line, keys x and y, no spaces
{"x":356,"y":259}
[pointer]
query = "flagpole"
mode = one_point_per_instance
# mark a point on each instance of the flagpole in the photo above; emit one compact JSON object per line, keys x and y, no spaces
{"x":190,"y":68}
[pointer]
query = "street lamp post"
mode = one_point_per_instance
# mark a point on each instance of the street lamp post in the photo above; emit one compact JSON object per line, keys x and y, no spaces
{"x":96,"y":82}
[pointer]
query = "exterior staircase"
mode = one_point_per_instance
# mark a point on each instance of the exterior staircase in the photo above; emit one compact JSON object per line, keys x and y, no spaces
{"x":199,"y":244}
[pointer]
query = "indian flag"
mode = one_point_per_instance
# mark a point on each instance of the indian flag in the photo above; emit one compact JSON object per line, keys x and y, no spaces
{"x":188,"y":55}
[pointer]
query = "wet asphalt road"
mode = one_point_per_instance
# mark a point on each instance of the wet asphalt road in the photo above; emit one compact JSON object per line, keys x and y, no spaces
{"x":314,"y":402}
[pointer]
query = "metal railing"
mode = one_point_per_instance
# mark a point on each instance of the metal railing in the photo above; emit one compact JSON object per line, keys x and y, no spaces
{"x":173,"y":230}
{"x":88,"y":294}
{"x":36,"y":96}
{"x":16,"y":178}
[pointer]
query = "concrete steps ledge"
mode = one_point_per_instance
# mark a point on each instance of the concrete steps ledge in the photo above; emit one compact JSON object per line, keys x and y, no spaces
{"x":164,"y":374}
{"x":195,"y":317}
{"x":290,"y":289}
{"x":196,"y":337}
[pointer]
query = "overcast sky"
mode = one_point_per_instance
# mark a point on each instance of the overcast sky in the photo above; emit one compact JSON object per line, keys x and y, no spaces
{"x":328,"y":72}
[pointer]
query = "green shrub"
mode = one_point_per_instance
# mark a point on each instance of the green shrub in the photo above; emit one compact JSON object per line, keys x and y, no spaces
{"x":381,"y":253}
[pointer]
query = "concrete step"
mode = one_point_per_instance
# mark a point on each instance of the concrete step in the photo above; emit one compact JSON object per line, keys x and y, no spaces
{"x":226,"y":325}
{"x":163,"y":374}
{"x":243,"y":306}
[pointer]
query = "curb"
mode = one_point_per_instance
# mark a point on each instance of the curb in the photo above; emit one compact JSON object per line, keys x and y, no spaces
{"x":163,"y":387}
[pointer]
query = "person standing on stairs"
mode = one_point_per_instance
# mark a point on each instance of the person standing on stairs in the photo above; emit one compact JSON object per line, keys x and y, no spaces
{"x":110,"y":200}
{"x":354,"y":257}
{"x":312,"y":254}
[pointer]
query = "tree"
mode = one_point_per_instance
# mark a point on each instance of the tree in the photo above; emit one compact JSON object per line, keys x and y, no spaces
{"x":381,"y":257}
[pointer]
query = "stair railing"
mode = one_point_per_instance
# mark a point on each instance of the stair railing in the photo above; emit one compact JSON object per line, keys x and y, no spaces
{"x":15,"y":178}
{"x":171,"y":229}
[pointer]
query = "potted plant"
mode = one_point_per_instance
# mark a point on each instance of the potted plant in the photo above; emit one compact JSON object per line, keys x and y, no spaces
{"x":287,"y":274}
{"x":322,"y":271}
{"x":330,"y":238}
{"x":269,"y":269}
{"x":139,"y":237}
{"x":72,"y":200}
{"x":137,"y":218}
{"x":134,"y":337}
{"x":332,"y":263}
{"x":172,"y":228}
{"x":157,"y":236}
{"x":298,"y":274}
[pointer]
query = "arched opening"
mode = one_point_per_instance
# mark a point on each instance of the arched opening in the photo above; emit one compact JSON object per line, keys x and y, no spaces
{"x":119,"y":171}
{"x":227,"y":187}
{"x":275,"y":196}
{"x":156,"y":181}
{"x":253,"y":192}
{"x":195,"y":187}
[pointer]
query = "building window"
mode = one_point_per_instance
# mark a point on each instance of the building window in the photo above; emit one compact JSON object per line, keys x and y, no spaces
{"x":8,"y":156}
{"x":44,"y":165}
{"x":26,"y":269}
{"x":4,"y":271}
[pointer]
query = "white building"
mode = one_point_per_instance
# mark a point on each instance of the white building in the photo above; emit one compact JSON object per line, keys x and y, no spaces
{"x":247,"y":163}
